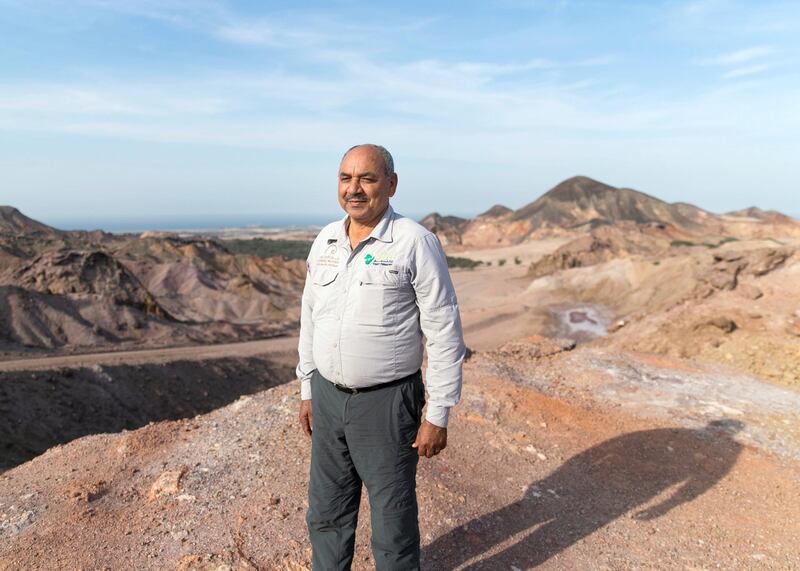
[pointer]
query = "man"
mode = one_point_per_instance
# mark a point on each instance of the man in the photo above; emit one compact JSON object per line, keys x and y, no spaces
{"x":377,"y":281}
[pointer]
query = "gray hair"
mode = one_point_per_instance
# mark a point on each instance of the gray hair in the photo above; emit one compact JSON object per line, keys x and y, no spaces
{"x":388,"y":161}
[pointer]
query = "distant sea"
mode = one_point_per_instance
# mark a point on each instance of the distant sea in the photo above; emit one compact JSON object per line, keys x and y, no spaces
{"x":187,"y":223}
{"x":177,"y":223}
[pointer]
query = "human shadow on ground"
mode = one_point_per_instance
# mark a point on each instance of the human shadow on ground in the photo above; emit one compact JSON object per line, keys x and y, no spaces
{"x":590,"y":490}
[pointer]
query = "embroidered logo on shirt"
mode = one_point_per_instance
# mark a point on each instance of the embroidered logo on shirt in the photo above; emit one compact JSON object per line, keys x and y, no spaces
{"x":329,"y":258}
{"x":379,"y":259}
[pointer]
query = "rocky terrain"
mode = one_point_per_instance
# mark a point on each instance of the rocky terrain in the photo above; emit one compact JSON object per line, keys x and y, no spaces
{"x":580,"y":204}
{"x":557,"y":458}
{"x":74,"y":291}
{"x":631,"y":400}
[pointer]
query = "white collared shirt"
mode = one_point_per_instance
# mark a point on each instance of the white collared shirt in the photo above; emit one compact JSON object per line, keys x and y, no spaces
{"x":364,"y":311}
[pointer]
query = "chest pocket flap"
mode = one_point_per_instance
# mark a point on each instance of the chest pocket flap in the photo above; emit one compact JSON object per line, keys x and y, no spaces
{"x":324,"y":276}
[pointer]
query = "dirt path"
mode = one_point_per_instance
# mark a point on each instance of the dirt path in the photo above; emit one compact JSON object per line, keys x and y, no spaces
{"x":276,"y":346}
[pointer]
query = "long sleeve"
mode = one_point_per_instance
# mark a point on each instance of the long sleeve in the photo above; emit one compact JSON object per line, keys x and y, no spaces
{"x":441,"y":323}
{"x":305,"y":366}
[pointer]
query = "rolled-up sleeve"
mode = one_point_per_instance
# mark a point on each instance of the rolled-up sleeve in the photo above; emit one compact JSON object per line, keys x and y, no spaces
{"x":441,"y":323}
{"x":305,"y":365}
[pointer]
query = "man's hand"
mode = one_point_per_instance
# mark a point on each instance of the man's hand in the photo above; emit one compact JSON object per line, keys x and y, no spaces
{"x":306,"y":416}
{"x":431,"y":439}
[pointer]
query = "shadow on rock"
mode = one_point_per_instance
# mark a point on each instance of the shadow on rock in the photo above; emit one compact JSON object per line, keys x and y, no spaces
{"x":591,"y":490}
{"x":40,"y":409}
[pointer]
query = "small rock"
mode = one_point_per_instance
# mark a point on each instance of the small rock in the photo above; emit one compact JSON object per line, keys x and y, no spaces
{"x":88,"y":492}
{"x":724,"y":323}
{"x":749,"y":291}
{"x":617,"y":325}
{"x":167,"y":484}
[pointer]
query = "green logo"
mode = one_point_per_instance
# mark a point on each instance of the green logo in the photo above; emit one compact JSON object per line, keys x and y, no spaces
{"x":368,"y":259}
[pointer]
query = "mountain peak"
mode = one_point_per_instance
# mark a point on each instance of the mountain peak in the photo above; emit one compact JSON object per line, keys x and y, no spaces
{"x":578,"y":187}
{"x":764,"y":215}
{"x":496,"y":211}
{"x":581,"y":201}
{"x":15,"y":222}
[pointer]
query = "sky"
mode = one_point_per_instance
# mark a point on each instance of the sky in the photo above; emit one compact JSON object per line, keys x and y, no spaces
{"x":165,"y":110}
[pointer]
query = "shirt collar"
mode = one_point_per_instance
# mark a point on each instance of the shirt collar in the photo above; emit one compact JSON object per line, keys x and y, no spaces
{"x":382,"y":230}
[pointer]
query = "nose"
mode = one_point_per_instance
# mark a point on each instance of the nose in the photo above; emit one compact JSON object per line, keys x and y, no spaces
{"x":354,"y":186}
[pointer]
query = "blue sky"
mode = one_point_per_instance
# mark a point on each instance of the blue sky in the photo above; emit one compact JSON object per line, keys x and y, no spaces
{"x":165,"y":109}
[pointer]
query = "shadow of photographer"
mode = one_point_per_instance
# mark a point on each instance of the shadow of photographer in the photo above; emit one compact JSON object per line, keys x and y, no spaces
{"x":592,"y":489}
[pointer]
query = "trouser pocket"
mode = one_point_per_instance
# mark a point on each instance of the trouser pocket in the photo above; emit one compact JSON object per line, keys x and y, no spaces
{"x":412,"y":397}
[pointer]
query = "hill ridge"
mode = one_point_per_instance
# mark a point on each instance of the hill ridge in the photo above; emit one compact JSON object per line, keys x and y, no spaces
{"x":14,"y":221}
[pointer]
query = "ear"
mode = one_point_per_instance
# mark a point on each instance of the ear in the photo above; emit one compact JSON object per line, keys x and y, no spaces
{"x":393,"y":184}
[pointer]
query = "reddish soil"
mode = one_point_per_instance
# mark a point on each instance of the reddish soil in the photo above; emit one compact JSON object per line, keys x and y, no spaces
{"x":530,"y":478}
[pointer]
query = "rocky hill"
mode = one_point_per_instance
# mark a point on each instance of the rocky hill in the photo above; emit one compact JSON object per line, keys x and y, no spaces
{"x":69,"y":290}
{"x":447,"y":228}
{"x":600,"y":245}
{"x":759,"y":214}
{"x":581,"y":204}
{"x":12,"y":221}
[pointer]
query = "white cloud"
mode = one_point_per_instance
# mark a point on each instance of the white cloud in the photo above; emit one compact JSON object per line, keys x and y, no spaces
{"x":184,"y":13}
{"x":745,"y":71}
{"x":144,"y":101}
{"x":740,"y":56}
{"x":269,"y":33}
{"x":378,"y":94}
{"x":425,"y":101}
{"x":701,"y":8}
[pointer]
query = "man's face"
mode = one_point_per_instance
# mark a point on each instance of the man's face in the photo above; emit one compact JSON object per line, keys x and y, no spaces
{"x":364,"y":188}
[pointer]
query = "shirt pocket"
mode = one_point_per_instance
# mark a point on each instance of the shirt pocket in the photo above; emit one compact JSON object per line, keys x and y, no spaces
{"x":323,"y":282}
{"x":378,"y":293}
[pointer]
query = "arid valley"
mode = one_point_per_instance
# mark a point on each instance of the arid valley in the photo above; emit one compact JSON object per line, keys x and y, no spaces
{"x":631,"y":397}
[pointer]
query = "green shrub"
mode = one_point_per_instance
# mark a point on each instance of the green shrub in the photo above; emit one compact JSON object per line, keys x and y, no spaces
{"x":268,"y":247}
{"x":679,"y":243}
{"x":723,"y":241}
{"x":517,"y":260}
{"x":456,"y":262}
{"x":501,"y":262}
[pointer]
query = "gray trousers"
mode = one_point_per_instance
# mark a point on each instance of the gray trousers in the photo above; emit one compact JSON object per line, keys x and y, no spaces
{"x":364,"y":437}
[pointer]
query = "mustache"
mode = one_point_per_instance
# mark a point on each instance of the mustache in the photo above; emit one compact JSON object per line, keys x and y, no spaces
{"x":350,"y":197}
